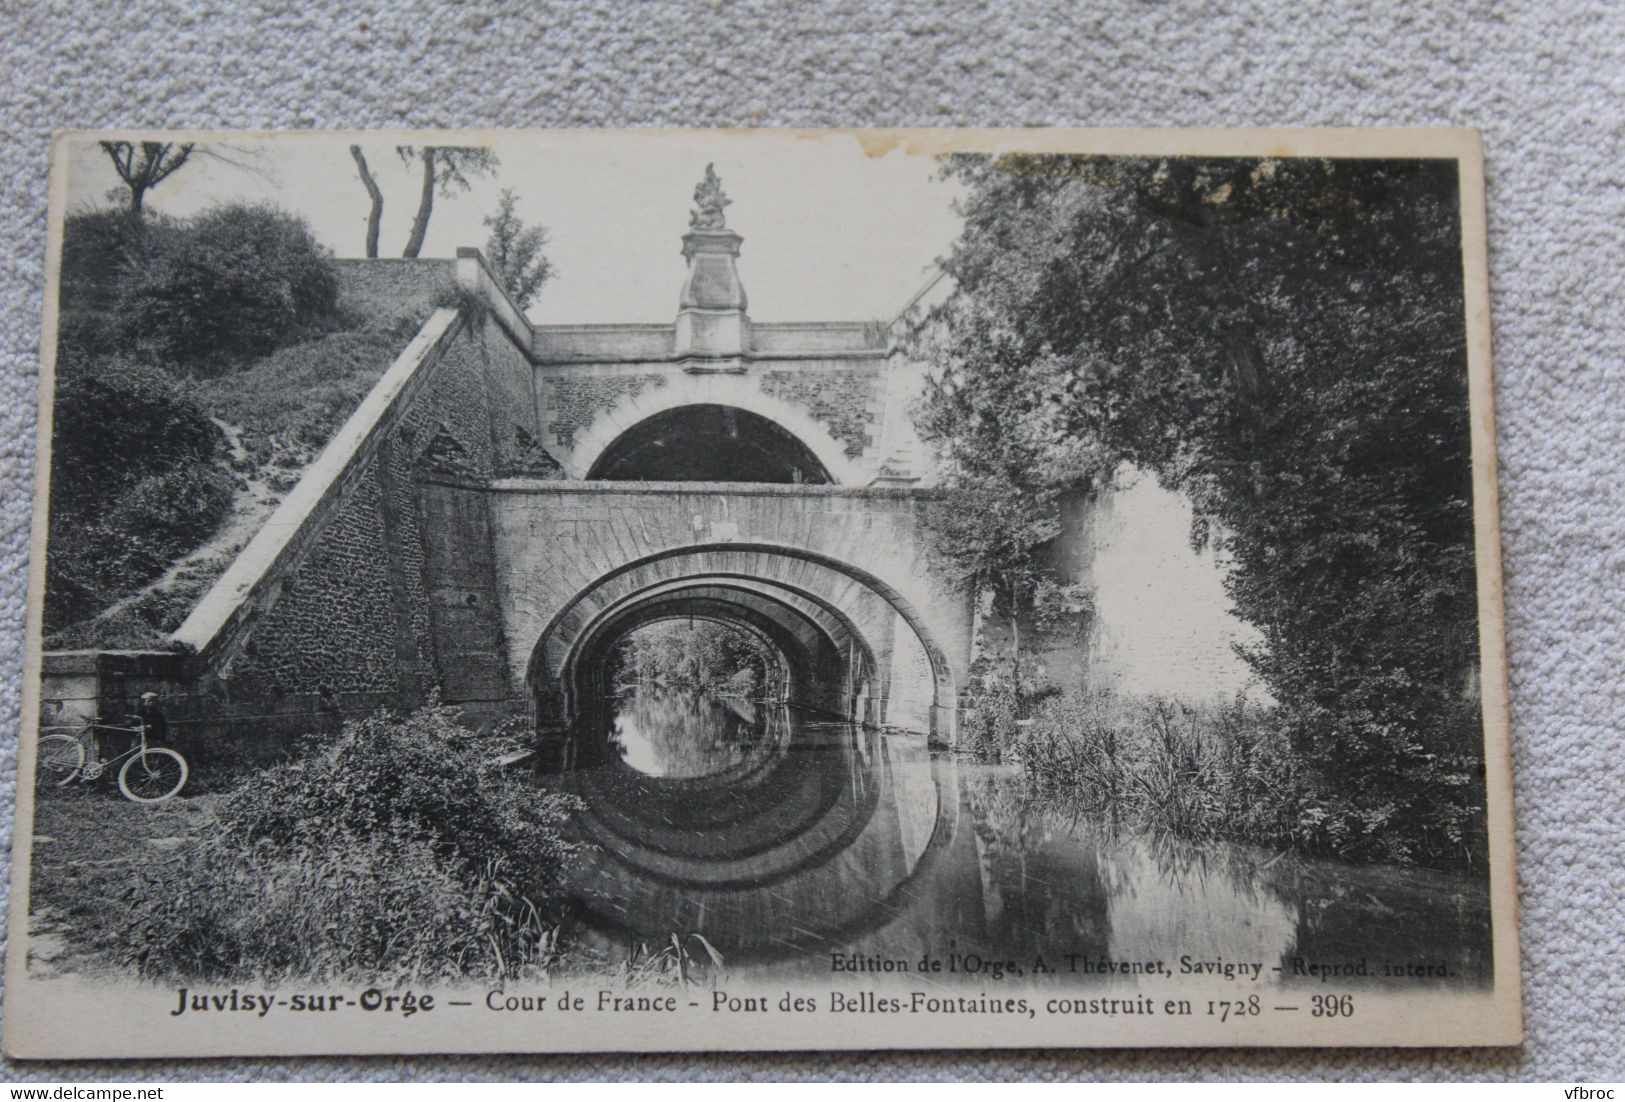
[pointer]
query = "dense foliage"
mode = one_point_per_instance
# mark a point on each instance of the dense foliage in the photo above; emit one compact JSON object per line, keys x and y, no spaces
{"x":169,"y":328}
{"x":134,"y":482}
{"x":99,"y":249}
{"x":1284,"y":343}
{"x":398,"y":850}
{"x":515,"y":252}
{"x":693,"y":655}
{"x":232,"y":282}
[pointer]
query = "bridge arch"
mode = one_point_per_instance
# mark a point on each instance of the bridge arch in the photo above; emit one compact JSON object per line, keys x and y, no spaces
{"x":855,"y":608}
{"x":708,"y":443}
{"x":830,"y":665}
{"x":727,"y":391}
{"x":819,"y":613}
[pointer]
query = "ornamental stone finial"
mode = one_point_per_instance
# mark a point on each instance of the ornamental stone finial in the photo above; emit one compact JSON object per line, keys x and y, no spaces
{"x":709,"y":199}
{"x":711,"y":320}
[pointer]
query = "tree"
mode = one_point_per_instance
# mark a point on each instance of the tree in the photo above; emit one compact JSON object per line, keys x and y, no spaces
{"x":515,"y":251}
{"x":1283,"y":341}
{"x":447,"y":169}
{"x":376,"y":214}
{"x":144,"y":165}
{"x":1010,"y":464}
{"x":693,"y":656}
{"x":232,"y":282}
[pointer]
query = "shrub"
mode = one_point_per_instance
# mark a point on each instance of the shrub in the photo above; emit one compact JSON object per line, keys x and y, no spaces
{"x":115,"y":421}
{"x":399,"y":850}
{"x":168,"y":513}
{"x":1424,"y":805}
{"x":96,"y":247}
{"x":134,"y":484}
{"x":422,"y":772}
{"x":233,"y":282}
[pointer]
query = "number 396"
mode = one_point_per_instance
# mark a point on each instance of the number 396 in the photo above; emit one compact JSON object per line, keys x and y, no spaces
{"x":1331,"y":1006}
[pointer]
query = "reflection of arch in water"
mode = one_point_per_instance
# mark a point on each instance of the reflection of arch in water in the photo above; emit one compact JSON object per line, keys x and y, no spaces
{"x":694,"y":739}
{"x":835,"y":840}
{"x":744,"y":821}
{"x":874,"y":613}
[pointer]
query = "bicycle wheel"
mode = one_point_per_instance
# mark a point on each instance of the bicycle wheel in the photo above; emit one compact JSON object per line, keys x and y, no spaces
{"x":152,"y":776}
{"x":57,"y":760}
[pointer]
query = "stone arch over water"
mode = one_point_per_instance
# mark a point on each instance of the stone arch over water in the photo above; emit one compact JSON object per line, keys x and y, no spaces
{"x":821,"y":661}
{"x":838,"y":621}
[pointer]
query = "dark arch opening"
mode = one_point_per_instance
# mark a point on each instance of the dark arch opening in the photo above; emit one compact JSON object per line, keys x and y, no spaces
{"x":705,"y":443}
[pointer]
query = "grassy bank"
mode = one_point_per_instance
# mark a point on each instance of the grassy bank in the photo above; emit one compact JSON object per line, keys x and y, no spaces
{"x":397,"y":850}
{"x":1231,"y":770}
{"x":203,"y":364}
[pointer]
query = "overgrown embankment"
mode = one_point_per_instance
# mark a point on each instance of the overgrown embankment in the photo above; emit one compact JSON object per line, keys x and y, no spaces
{"x":202,"y":364}
{"x":399,"y":849}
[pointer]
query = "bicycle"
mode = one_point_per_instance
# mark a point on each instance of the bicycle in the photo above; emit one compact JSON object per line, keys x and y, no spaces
{"x":151,"y":775}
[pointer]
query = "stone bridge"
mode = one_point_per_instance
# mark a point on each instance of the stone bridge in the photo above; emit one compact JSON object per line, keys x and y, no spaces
{"x":841,"y":571}
{"x":510,"y":500}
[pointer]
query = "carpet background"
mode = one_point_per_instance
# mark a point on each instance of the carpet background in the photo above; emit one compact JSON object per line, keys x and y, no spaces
{"x":1543,"y":80}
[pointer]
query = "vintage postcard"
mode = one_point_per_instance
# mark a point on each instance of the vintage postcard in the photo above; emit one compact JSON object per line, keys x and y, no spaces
{"x":723,"y":590}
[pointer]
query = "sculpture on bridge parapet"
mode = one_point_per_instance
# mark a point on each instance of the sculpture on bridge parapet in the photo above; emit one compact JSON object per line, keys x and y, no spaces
{"x":713,"y":330}
{"x":710,"y":200}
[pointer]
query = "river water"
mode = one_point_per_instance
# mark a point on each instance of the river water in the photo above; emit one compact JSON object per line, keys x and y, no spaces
{"x":806,"y":846}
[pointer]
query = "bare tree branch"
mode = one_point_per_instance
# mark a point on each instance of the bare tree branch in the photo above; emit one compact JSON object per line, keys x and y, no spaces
{"x":145,"y":166}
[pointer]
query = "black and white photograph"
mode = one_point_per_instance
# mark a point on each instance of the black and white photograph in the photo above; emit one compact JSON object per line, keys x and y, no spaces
{"x":718,"y":590}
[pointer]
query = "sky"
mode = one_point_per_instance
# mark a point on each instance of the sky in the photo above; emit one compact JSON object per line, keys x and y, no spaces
{"x":830,"y":232}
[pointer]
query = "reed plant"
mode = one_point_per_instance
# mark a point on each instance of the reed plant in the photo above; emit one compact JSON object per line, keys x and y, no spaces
{"x":1220,"y":771}
{"x":679,"y":962}
{"x":1235,"y":769}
